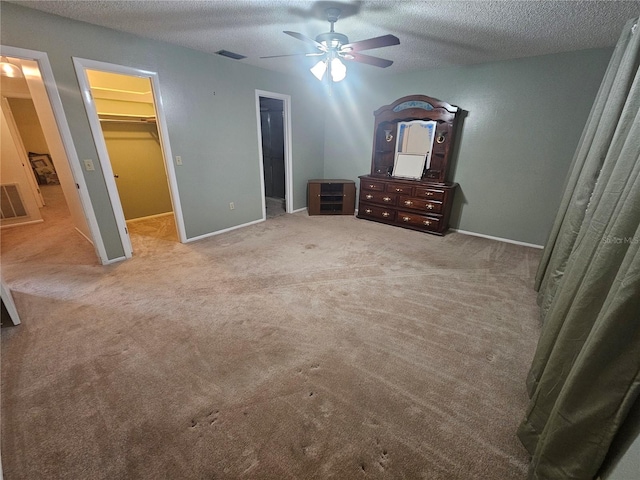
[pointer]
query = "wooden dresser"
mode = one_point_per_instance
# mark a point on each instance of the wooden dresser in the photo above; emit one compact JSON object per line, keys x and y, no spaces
{"x":422,"y":203}
{"x":417,"y":205}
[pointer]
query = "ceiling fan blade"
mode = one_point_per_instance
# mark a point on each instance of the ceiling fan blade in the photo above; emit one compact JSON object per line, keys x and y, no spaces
{"x":371,"y":43}
{"x":308,"y":40}
{"x":296,"y":55}
{"x":368,"y":59}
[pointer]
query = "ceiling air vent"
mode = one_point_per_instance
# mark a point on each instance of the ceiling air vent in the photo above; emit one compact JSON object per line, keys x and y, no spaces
{"x":235,"y":56}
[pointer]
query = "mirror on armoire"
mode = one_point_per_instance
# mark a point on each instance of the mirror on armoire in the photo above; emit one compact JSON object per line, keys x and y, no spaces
{"x":414,"y":142}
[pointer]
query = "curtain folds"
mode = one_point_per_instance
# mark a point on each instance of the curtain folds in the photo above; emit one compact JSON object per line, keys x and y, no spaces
{"x":586,"y":371}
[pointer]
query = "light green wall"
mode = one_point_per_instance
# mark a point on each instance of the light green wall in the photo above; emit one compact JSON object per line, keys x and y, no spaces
{"x":524,"y":119}
{"x":523,"y":122}
{"x":210,"y":110}
{"x":628,"y":466}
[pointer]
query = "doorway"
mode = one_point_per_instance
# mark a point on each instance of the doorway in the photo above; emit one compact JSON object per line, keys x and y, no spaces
{"x":34,"y":130}
{"x":128,"y":127}
{"x":126,"y":111}
{"x":272,"y":130}
{"x":274,"y":142}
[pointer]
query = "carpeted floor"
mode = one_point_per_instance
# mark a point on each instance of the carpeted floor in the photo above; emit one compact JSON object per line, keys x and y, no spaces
{"x":321,"y":347}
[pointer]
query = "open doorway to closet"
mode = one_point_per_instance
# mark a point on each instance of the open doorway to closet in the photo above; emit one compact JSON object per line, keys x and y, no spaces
{"x":125,"y":113}
{"x":274,"y":145}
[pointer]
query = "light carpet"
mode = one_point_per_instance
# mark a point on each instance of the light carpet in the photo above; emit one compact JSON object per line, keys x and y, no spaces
{"x":321,"y":347}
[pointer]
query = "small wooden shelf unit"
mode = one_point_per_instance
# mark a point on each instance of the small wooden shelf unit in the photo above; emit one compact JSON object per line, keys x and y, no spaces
{"x":331,"y":197}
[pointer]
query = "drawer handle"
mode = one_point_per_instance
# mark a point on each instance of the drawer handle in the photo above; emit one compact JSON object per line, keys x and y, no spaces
{"x":408,"y":202}
{"x":406,"y":219}
{"x":372,"y":186}
{"x":385,"y":214}
{"x":427,"y":222}
{"x":368,"y":211}
{"x":398,"y":189}
{"x":386,"y":199}
{"x":368,"y":196}
{"x":429,"y":206}
{"x":429,"y":194}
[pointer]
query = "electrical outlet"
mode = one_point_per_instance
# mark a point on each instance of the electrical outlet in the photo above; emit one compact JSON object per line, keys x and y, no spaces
{"x":231,"y":206}
{"x":88,"y":165}
{"x":178,"y":160}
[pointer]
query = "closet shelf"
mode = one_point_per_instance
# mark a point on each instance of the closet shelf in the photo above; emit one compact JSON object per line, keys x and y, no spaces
{"x":127,"y":119}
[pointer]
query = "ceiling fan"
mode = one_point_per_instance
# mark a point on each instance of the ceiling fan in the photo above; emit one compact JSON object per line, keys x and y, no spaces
{"x":334,"y":47}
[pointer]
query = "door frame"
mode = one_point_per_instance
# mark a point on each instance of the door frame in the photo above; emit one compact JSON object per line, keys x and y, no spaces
{"x":46,"y":72}
{"x":17,"y":139}
{"x":81,"y":66}
{"x":288,"y":162}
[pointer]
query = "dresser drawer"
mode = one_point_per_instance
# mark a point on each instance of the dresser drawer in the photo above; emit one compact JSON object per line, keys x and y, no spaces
{"x":430,"y":193}
{"x":420,"y":204}
{"x":423,"y":221}
{"x":399,"y":188}
{"x":378,"y":197}
{"x":369,"y":185}
{"x":371,"y":211}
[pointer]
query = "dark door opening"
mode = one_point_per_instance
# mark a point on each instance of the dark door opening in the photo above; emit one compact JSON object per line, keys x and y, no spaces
{"x":272,"y":128}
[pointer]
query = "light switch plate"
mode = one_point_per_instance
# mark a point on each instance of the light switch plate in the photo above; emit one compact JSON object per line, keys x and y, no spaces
{"x":88,"y":165}
{"x":178,"y":160}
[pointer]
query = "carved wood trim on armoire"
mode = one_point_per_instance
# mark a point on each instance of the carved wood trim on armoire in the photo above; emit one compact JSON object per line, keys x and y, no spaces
{"x":422,"y":202}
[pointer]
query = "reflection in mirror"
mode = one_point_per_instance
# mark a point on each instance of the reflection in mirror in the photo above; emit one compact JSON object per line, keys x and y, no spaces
{"x":413,"y":148}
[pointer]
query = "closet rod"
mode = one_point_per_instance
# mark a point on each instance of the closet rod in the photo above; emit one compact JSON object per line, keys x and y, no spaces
{"x":117,"y":120}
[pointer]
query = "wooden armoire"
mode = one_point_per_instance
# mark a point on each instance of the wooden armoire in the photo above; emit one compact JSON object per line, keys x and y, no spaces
{"x":406,"y":188}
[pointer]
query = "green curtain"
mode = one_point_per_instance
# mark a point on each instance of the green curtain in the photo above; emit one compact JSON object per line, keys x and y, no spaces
{"x":585,"y":374}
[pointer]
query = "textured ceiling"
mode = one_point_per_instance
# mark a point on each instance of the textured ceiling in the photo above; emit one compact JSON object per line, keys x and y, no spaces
{"x":432,"y":33}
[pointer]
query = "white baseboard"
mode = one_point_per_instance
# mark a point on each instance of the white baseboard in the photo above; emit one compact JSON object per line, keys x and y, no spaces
{"x":213,"y":234}
{"x":113,"y":260}
{"x":499,"y":239}
{"x":19,"y":224}
{"x":299,"y":210}
{"x":139,"y":219}
{"x":85,"y":237}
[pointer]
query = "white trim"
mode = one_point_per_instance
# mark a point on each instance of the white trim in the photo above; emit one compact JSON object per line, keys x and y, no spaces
{"x":85,"y":237}
{"x":67,"y":141}
{"x":103,"y":155}
{"x":213,"y":234}
{"x":114,"y":260}
{"x":81,"y":65}
{"x":139,"y":219}
{"x":499,"y":239}
{"x":7,"y":299}
{"x":288,"y":158}
{"x":19,"y":224}
{"x":300,"y":210}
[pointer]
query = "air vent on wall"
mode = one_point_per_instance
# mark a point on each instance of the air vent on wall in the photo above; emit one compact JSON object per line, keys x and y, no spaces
{"x":235,"y":56}
{"x":11,"y":205}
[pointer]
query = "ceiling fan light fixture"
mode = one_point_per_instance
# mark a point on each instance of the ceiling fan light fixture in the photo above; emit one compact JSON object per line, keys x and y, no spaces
{"x":8,"y":69}
{"x":319,"y":69}
{"x":335,"y":49}
{"x":338,"y":70}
